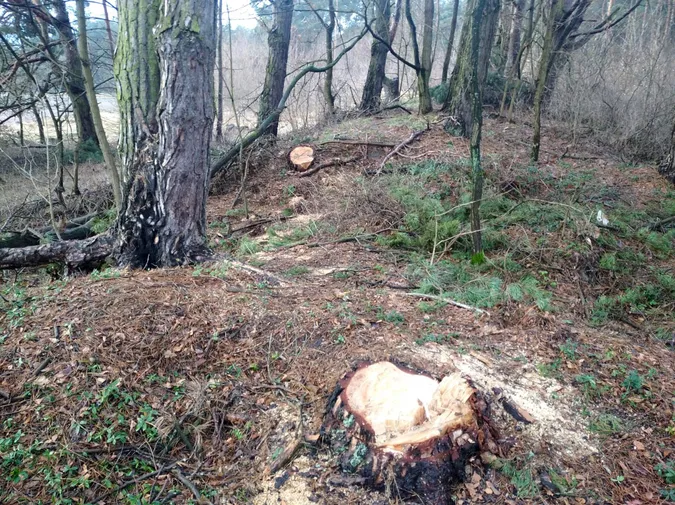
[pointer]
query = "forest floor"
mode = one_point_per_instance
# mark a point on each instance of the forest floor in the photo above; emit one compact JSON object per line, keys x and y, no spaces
{"x":187,"y":385}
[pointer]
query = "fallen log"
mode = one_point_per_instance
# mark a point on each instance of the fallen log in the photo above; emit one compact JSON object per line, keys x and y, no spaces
{"x":75,"y":229}
{"x":402,"y":430}
{"x":73,"y":253}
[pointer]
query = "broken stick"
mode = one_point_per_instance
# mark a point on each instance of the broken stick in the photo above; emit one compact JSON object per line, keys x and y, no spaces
{"x":413,"y":136}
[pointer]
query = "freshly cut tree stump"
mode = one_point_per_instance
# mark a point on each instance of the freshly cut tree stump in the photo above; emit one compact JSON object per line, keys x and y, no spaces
{"x":301,"y":157}
{"x":404,"y":431}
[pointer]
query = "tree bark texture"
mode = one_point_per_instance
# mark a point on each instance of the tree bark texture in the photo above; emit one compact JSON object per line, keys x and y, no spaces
{"x":278,"y":40}
{"x":136,"y":68}
{"x":514,"y":40}
{"x":460,"y":96}
{"x":219,"y":72}
{"x":163,"y":217}
{"x":73,"y":253}
{"x":328,"y":78}
{"x":372,"y":89}
{"x":72,"y":74}
{"x":504,"y":36}
{"x":451,"y":42}
{"x":427,"y":47}
{"x":667,"y":166}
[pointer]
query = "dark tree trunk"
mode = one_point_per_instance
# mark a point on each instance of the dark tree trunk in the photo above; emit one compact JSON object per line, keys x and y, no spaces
{"x":425,"y":74}
{"x":278,"y":39}
{"x":328,"y":78}
{"x":72,"y":74}
{"x":667,"y":166}
{"x":514,"y":41}
{"x":372,"y":89}
{"x":451,"y":42}
{"x":163,"y":218}
{"x":460,"y":96}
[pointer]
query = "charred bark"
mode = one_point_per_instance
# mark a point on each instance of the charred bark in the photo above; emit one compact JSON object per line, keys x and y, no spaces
{"x":163,"y":217}
{"x":278,"y":39}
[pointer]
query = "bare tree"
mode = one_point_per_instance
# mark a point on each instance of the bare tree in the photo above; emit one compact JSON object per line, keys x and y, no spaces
{"x":278,"y":39}
{"x":372,"y":89}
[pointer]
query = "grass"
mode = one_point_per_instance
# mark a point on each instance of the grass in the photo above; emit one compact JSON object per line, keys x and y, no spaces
{"x":521,"y":478}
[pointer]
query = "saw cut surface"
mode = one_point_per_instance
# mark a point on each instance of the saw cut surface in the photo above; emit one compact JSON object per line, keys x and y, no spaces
{"x":302,"y":157}
{"x":403,"y":408}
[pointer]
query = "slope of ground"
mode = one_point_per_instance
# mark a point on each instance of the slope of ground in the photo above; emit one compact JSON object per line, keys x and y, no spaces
{"x":209,"y":384}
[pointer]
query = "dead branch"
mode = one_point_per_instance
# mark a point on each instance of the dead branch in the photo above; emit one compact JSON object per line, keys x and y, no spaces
{"x":660,"y":224}
{"x":330,"y":163}
{"x":356,"y":142}
{"x":447,"y":300}
{"x":413,"y":136}
{"x":71,"y":252}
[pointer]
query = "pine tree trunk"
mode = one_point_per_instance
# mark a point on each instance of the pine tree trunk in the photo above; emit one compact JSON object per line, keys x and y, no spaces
{"x":278,"y":39}
{"x":163,"y":217}
{"x":73,"y":79}
{"x":667,"y":166}
{"x":372,"y":89}
{"x":451,"y":41}
{"x":460,"y":96}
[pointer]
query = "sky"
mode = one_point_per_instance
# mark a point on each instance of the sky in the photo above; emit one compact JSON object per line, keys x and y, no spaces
{"x":241,"y":12}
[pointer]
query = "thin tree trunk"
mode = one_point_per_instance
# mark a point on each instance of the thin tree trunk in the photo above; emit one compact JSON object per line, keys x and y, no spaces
{"x":505,"y":22}
{"x":163,"y":216}
{"x":219,"y":72}
{"x":38,"y":121}
{"x":667,"y":166}
{"x":278,"y":40}
{"x":451,"y":41}
{"x":328,"y":78}
{"x":21,"y":139}
{"x":424,"y":75}
{"x":372,"y":89}
{"x":73,"y":78}
{"x":108,"y":156}
{"x":108,"y":29}
{"x":476,"y":130}
{"x":514,"y":41}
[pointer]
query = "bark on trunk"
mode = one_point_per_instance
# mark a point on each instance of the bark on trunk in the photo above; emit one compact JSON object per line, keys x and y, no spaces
{"x":372,"y":89}
{"x":425,"y":73}
{"x":502,"y":44}
{"x":163,"y":217}
{"x":667,"y":166}
{"x":72,"y":74}
{"x":278,"y":40}
{"x":219,"y":73}
{"x":451,"y":42}
{"x":514,"y":41}
{"x":402,"y":430}
{"x":73,"y":253}
{"x":460,"y":96}
{"x":328,"y":78}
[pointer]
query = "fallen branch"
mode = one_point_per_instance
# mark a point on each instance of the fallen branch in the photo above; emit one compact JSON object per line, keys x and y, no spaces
{"x":660,"y":224}
{"x":71,"y":252}
{"x":193,"y":489}
{"x":356,"y":142}
{"x":447,"y":300}
{"x":326,"y":164}
{"x":413,"y":136}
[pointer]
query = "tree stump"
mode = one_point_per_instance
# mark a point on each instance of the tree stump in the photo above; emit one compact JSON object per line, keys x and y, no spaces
{"x":300,"y":158}
{"x":403,"y":431}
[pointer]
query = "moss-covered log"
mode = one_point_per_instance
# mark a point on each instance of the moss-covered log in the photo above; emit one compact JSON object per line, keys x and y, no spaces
{"x":402,"y":430}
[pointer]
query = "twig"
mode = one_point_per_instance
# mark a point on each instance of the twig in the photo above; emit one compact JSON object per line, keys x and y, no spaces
{"x":326,"y":164}
{"x":447,"y":300}
{"x":356,"y":142}
{"x":413,"y":136}
{"x":125,"y":485}
{"x":661,"y":223}
{"x":193,"y":489}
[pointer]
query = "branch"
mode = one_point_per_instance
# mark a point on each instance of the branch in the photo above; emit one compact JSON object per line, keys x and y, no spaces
{"x":603,"y":26}
{"x":417,"y":68}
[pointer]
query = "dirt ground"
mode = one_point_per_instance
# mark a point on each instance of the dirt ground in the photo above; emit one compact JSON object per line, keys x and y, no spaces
{"x":185,"y":385}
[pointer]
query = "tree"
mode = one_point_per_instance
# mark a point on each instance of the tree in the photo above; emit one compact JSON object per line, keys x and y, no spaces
{"x":451,"y":41}
{"x":423,"y":61}
{"x":166,"y":143}
{"x":514,"y":40}
{"x":372,"y":89}
{"x":329,"y":28}
{"x":278,"y":40}
{"x":667,"y":166}
{"x":219,"y":71}
{"x":460,"y":96}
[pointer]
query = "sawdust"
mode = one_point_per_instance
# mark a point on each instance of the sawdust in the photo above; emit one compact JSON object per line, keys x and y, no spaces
{"x":557,"y":425}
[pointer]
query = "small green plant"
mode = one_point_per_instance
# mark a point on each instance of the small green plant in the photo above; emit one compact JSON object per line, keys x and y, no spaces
{"x":551,"y":369}
{"x":438,"y":339}
{"x":521,"y":478}
{"x":606,"y":425}
{"x":297,"y":270}
{"x":394,"y":317}
{"x":633,"y":382}
{"x":569,"y":349}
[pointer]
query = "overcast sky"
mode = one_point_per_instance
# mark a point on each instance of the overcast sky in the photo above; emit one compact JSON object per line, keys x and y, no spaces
{"x":241,"y":12}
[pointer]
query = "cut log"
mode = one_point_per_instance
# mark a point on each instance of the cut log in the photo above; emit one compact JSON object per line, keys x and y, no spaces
{"x":73,"y":253}
{"x":404,"y":431}
{"x":301,"y":157}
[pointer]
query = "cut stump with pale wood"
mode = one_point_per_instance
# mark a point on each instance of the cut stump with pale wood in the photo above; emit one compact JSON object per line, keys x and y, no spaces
{"x":301,"y":157}
{"x":403,"y":431}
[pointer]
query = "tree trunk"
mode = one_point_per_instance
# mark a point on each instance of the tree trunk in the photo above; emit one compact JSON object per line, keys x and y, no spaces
{"x":514,"y":41}
{"x":427,"y":40}
{"x":136,"y":69}
{"x":545,"y":63}
{"x":502,"y":44}
{"x":72,"y":74}
{"x":460,"y":96}
{"x":219,"y":72}
{"x":278,"y":39}
{"x":108,"y":156}
{"x":163,"y":217}
{"x":477,"y":126}
{"x":328,"y":78}
{"x":451,"y":41}
{"x":372,"y":89}
{"x":402,"y":430}
{"x":667,"y":166}
{"x":38,"y":121}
